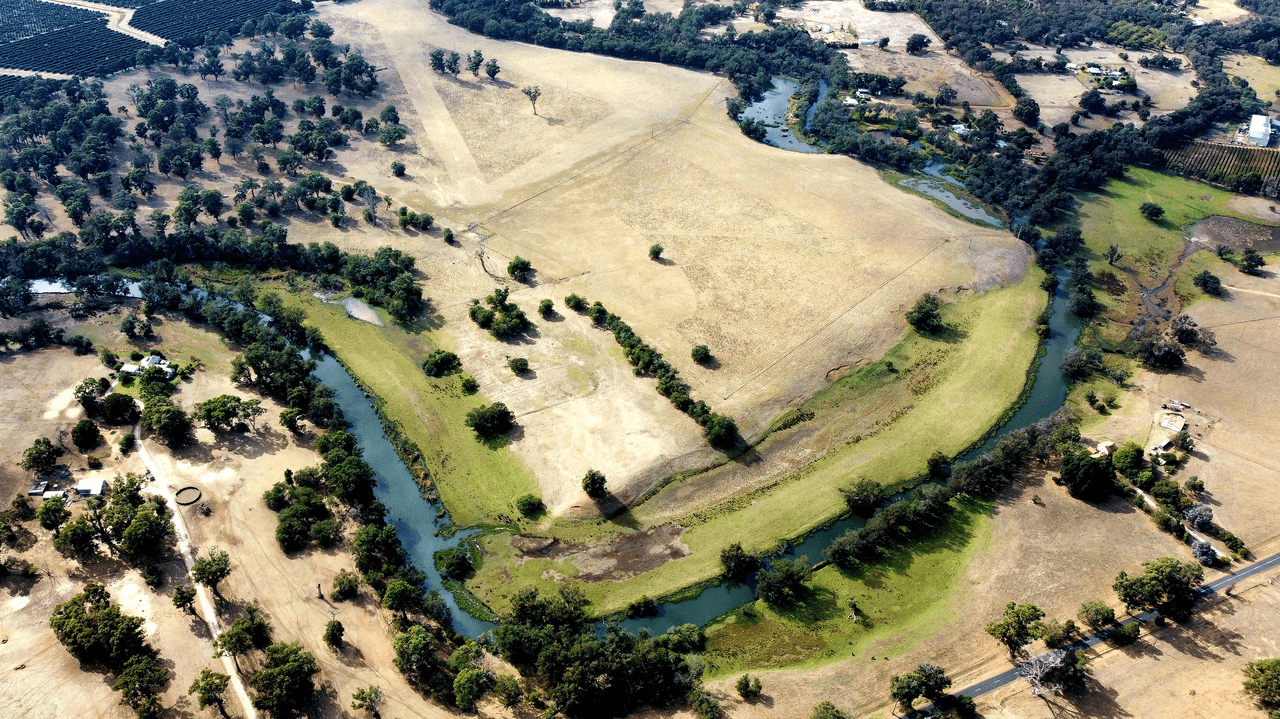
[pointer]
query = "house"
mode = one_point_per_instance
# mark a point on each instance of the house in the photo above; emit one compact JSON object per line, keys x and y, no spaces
{"x":146,"y":363}
{"x":960,"y":130}
{"x":1173,"y":422}
{"x":1073,"y":67}
{"x":54,"y":493}
{"x":1260,"y":131}
{"x":1094,"y":71}
{"x":37,"y":489}
{"x":1161,"y":447}
{"x":1106,"y":448}
{"x":90,"y":487}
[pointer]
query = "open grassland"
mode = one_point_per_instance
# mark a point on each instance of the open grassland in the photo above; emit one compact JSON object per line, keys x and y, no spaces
{"x":1261,"y":75}
{"x":907,"y":597}
{"x":475,"y":482}
{"x":979,"y":372}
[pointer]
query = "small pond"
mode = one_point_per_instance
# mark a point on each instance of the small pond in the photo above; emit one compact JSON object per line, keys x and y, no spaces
{"x":772,"y":111}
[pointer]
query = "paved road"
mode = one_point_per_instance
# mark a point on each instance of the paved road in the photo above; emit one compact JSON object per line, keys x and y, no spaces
{"x":1213,"y":587}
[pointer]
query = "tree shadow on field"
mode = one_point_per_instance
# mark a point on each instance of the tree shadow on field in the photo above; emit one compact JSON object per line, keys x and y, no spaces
{"x":1203,"y":639}
{"x":818,"y":604}
{"x":1094,"y":701}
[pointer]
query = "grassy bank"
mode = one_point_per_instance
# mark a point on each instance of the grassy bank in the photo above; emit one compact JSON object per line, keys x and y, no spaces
{"x":907,"y":597}
{"x":474,"y":482}
{"x":973,"y":376}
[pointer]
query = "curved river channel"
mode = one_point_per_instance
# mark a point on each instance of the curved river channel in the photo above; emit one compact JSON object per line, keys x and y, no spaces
{"x":416,"y":520}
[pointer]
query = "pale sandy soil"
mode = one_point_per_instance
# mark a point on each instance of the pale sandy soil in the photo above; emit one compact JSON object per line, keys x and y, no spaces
{"x":1262,"y":208}
{"x":926,"y":73}
{"x":869,"y":25}
{"x":1225,"y":10}
{"x":1169,"y":90}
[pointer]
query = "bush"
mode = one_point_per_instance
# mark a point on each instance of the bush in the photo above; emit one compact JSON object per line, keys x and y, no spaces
{"x":126,"y":442}
{"x":1208,"y":283}
{"x":397,"y":169}
{"x":701,"y":354}
{"x":1234,"y":543}
{"x":593,"y":484}
{"x":327,"y":532}
{"x":864,"y":496}
{"x":470,"y":385}
{"x":518,"y":365}
{"x":520,"y":269}
{"x":655,"y":252}
{"x":704,"y":705}
{"x":491,"y":421}
{"x":1097,"y":615}
{"x":575,"y":303}
{"x":345,"y":585}
{"x":737,"y":562}
{"x":1151,"y":211}
{"x":642,"y":607}
{"x":1124,"y":635}
{"x":925,"y":315}
{"x":1056,"y":635}
{"x":85,"y":435}
{"x":333,"y":633}
{"x":440,"y":363}
{"x":546,"y":308}
{"x":748,"y":687}
{"x":1195,"y":484}
{"x":529,"y":505}
{"x":456,"y":565}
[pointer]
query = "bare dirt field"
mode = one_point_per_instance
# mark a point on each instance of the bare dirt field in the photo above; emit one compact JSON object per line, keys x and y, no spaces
{"x":1189,"y":670}
{"x":869,"y":25}
{"x":1209,"y":10}
{"x":929,"y":71}
{"x":1169,"y":90}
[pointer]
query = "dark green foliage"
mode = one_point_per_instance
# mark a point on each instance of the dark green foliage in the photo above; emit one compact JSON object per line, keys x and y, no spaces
{"x":469,"y":686}
{"x":737,"y":562}
{"x":1125,"y":634}
{"x":927,"y":680}
{"x":609,"y":675}
{"x":784,"y":581}
{"x":520,"y":269}
{"x":593,"y":484}
{"x":77,"y":537}
{"x":546,"y":309}
{"x":1057,"y":635}
{"x":184,"y":597}
{"x":1262,"y":680}
{"x":326,"y":532}
{"x":529,"y":505}
{"x":642,"y":607}
{"x":827,"y":710}
{"x":917,"y":44}
{"x":1097,"y":615}
{"x":518,"y":365}
{"x":333,"y":633}
{"x":927,"y":509}
{"x":1166,"y":585}
{"x":655,"y":252}
{"x":925,"y":315}
{"x":1208,"y":283}
{"x":1170,"y":495}
{"x":701,"y":354}
{"x":748,"y":687}
{"x":118,"y":408}
{"x":141,"y":677}
{"x":1251,"y":262}
{"x":41,"y":456}
{"x":864,"y":496}
{"x":285,"y":687}
{"x":397,"y":168}
{"x":440,"y":363}
{"x":456,"y":565}
{"x":1017,"y":627}
{"x":345,"y":585}
{"x":208,"y":689}
{"x":96,"y":632}
{"x":469,"y":385}
{"x":704,"y":705}
{"x":1151,"y":211}
{"x":211,"y":570}
{"x":52,"y":513}
{"x":575,"y":303}
{"x":1086,"y":477}
{"x":1027,"y":111}
{"x":491,"y":421}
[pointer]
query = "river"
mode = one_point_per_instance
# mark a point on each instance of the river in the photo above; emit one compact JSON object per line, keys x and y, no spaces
{"x":772,"y":111}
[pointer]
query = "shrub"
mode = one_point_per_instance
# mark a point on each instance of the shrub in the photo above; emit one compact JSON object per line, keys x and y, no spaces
{"x":642,"y":607}
{"x":737,"y":562}
{"x":864,"y":496}
{"x":529,"y":505}
{"x":440,"y":363}
{"x":518,"y":365}
{"x":397,"y":169}
{"x":520,"y":269}
{"x":925,"y":315}
{"x":701,"y":354}
{"x":748,"y":687}
{"x":1234,"y":543}
{"x":655,"y":252}
{"x":1195,"y":484}
{"x":721,"y":431}
{"x":1204,"y":553}
{"x":327,"y":532}
{"x":1208,"y":283}
{"x":491,"y":421}
{"x":333,"y":632}
{"x":1126,"y":634}
{"x":1056,"y":635}
{"x":575,"y":303}
{"x":345,"y":585}
{"x":1151,"y":211}
{"x":470,"y":385}
{"x":546,"y":308}
{"x":126,"y":442}
{"x":593,"y":484}
{"x":704,"y":705}
{"x":1097,"y":615}
{"x":85,"y":435}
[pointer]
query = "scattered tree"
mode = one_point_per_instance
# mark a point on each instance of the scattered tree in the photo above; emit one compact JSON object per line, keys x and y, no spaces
{"x":917,"y":44}
{"x":41,"y":456}
{"x":1208,"y":283}
{"x":784,"y":581}
{"x":518,"y":365}
{"x":208,"y":689}
{"x":53,"y":513}
{"x":593,"y":484}
{"x":491,"y":69}
{"x":655,"y":252}
{"x":184,"y":598}
{"x":1166,"y":585}
{"x":367,"y":699}
{"x":748,"y":687}
{"x":1097,"y":615}
{"x":1251,"y":262}
{"x":1113,"y":254}
{"x":925,"y":315}
{"x":1262,"y":680}
{"x":491,"y":421}
{"x":440,"y":363}
{"x":520,"y":269}
{"x":533,"y":92}
{"x":701,"y":354}
{"x":1017,"y":627}
{"x":211,"y":570}
{"x":284,"y":685}
{"x":1151,"y":211}
{"x":333,"y":632}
